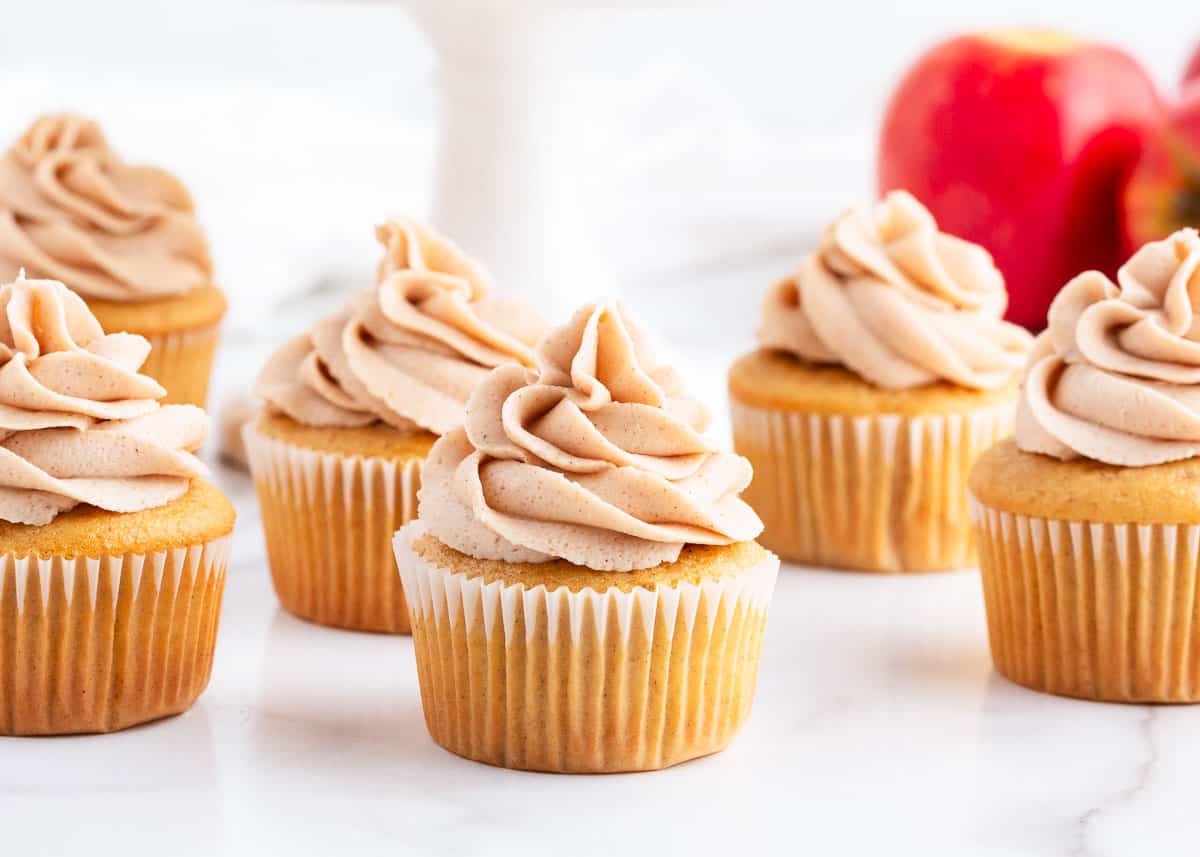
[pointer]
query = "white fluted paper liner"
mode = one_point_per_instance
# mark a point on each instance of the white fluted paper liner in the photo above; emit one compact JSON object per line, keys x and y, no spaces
{"x":879,"y":493}
{"x":606,"y":680}
{"x":328,"y":521}
{"x":182,"y":362}
{"x":1091,"y":610}
{"x":95,"y":644}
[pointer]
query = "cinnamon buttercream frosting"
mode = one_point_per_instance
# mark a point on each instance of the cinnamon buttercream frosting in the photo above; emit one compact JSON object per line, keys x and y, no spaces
{"x":898,"y":303}
{"x":407,"y":352}
{"x":72,"y":210}
{"x":78,"y":423}
{"x":595,"y":456}
{"x":1116,"y":375}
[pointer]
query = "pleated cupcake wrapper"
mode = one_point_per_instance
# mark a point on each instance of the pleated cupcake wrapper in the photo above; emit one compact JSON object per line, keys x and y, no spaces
{"x":547,"y":679}
{"x":1097,"y":611}
{"x":102,"y":643}
{"x":328,"y":521}
{"x":875,"y":493}
{"x":182,"y":362}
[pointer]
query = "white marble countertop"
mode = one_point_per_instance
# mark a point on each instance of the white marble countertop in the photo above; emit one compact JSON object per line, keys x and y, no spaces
{"x":879,"y":726}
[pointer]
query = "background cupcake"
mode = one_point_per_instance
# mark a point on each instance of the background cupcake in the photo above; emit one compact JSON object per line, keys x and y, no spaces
{"x":884,"y":371}
{"x":1089,"y":520}
{"x":584,"y":588}
{"x":122,"y":236}
{"x":352,"y":410}
{"x":113,"y":549}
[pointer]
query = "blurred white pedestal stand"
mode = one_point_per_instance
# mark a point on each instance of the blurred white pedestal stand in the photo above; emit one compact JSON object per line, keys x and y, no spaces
{"x":511,"y":116}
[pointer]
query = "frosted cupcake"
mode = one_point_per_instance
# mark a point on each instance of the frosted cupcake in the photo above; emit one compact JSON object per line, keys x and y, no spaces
{"x":884,"y":371}
{"x":353,"y":408}
{"x":113,"y":549}
{"x":585,"y":591}
{"x":1089,"y":520}
{"x":122,"y":236}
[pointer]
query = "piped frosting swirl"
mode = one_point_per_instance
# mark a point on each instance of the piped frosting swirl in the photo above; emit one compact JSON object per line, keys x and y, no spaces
{"x":78,"y":423}
{"x":595,"y":456}
{"x":72,"y":210}
{"x":1116,"y":375}
{"x":897,"y":302}
{"x":408,"y":351}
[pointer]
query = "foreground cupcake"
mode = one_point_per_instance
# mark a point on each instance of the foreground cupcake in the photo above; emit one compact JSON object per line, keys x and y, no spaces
{"x":585,"y":592}
{"x":123,"y":236}
{"x":1089,"y":520}
{"x":353,"y":408}
{"x":113,"y":549}
{"x":884,"y":371}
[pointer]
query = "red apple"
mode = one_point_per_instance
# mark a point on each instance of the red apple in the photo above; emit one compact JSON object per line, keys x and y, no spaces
{"x":1021,"y":141}
{"x":1163,"y":191}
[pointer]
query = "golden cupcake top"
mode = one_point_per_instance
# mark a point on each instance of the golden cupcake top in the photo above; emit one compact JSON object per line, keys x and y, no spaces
{"x":1116,"y":376}
{"x":408,"y":351}
{"x":1012,"y":480}
{"x":377,"y":440}
{"x":774,"y":380}
{"x":78,"y":423}
{"x":695,"y":565}
{"x":201,"y":515}
{"x":898,"y":302}
{"x":73,"y":210}
{"x":595,"y":455}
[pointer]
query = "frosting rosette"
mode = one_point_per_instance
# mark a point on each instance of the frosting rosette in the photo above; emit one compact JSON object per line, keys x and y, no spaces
{"x":72,"y":210}
{"x":78,"y":423}
{"x":595,"y":456}
{"x":407,"y":352}
{"x":1116,"y":375}
{"x":898,"y":303}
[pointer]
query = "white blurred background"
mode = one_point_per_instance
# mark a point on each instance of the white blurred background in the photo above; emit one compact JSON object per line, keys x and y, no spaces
{"x":713,"y":139}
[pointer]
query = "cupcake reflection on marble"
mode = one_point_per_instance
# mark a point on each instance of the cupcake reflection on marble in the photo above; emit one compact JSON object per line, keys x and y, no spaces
{"x":353,"y":408}
{"x":1089,"y":519}
{"x":113,"y":548}
{"x":884,"y":370}
{"x":123,"y":236}
{"x":585,"y":589}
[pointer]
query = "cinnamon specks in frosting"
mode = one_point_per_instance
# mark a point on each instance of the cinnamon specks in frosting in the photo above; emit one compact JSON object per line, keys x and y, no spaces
{"x":596,"y":456}
{"x":78,"y":423}
{"x":409,"y":350}
{"x":1116,"y":376}
{"x":898,"y":302}
{"x":73,"y":210}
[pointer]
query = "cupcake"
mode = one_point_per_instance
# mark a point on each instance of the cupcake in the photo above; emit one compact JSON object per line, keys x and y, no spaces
{"x":352,"y":410}
{"x":884,"y":370}
{"x":585,"y":591}
{"x":113,"y":548}
{"x":122,"y":236}
{"x":1088,"y":520}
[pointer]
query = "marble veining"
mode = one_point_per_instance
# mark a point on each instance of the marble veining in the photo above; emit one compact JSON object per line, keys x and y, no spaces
{"x":1120,"y":800}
